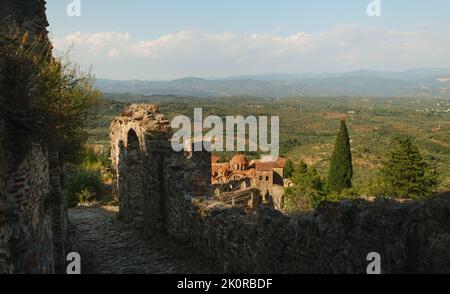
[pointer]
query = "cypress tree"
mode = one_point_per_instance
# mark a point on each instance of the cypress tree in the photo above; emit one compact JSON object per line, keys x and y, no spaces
{"x":406,"y":174}
{"x":341,"y":168}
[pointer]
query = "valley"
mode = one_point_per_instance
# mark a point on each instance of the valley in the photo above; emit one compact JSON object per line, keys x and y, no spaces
{"x":308,"y":126}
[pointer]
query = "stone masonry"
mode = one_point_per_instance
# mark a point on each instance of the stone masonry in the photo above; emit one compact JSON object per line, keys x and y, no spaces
{"x":33,"y":214}
{"x":160,"y":188}
{"x":143,"y":161}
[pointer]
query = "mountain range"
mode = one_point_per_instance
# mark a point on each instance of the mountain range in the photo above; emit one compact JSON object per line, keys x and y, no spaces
{"x":423,"y":82}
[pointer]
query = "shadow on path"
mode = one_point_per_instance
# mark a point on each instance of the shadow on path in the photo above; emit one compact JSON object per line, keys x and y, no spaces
{"x":109,"y":246}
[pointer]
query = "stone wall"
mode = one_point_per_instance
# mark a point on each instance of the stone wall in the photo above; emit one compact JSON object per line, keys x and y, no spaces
{"x":30,"y":226}
{"x":5,"y":230}
{"x":173,"y":193}
{"x":29,"y":14}
{"x":29,"y":214}
{"x":33,"y":215}
{"x":139,"y":141}
{"x":336,"y":238}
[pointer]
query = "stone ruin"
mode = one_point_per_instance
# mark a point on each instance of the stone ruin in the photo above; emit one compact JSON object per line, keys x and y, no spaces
{"x":147,"y":170}
{"x":33,"y":226}
{"x":160,"y":188}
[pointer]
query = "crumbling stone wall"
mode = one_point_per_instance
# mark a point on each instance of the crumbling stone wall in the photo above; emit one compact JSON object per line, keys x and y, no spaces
{"x":29,"y":214}
{"x":146,"y":169}
{"x":30,"y":225}
{"x":139,"y":142}
{"x":336,"y":238}
{"x":33,"y":215}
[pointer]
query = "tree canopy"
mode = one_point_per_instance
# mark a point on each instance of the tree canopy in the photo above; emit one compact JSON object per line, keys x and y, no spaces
{"x":406,"y":174}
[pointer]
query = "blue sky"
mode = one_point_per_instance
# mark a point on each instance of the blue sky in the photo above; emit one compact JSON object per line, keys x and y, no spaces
{"x":169,"y":39}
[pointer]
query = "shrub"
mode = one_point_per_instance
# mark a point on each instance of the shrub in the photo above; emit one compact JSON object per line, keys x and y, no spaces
{"x":56,"y":95}
{"x":308,"y":190}
{"x":83,"y":186}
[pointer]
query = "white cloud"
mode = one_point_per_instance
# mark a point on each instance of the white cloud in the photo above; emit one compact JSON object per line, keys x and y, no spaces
{"x":193,"y":53}
{"x":113,"y":52}
{"x":92,"y":44}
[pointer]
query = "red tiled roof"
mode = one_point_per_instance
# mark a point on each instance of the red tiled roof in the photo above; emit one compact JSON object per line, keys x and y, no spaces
{"x":268,"y":166}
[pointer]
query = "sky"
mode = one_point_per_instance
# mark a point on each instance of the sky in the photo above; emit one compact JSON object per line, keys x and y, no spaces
{"x":170,"y":39}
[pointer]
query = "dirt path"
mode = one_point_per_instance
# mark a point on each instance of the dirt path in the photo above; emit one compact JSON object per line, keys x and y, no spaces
{"x":108,"y":245}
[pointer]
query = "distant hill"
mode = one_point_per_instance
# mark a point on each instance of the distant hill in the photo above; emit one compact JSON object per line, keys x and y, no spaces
{"x":423,"y":82}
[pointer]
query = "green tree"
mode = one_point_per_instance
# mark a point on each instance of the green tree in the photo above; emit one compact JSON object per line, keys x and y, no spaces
{"x":308,"y":189}
{"x":288,"y":169}
{"x":341,"y":168}
{"x":406,"y":174}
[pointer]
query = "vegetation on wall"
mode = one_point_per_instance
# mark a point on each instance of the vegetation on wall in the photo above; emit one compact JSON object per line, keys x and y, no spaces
{"x":50,"y":99}
{"x":51,"y":96}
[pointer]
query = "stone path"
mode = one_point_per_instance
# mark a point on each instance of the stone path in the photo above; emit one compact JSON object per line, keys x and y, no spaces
{"x":109,"y":246}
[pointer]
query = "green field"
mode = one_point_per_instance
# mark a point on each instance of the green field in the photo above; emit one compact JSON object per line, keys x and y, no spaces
{"x":308,"y":126}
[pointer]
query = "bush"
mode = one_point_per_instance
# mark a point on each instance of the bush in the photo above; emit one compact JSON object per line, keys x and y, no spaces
{"x":308,"y":190}
{"x":83,"y":186}
{"x":302,"y":199}
{"x":54,"y":93}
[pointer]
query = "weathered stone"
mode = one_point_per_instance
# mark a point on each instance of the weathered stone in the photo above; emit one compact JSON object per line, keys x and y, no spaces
{"x":32,"y":233}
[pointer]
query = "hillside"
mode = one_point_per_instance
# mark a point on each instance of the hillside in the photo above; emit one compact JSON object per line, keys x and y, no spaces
{"x":426,"y":82}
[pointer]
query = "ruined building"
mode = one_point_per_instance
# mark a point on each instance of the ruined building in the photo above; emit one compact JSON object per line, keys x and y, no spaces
{"x":32,"y":224}
{"x":159,"y":188}
{"x":147,"y":170}
{"x":266,"y":176}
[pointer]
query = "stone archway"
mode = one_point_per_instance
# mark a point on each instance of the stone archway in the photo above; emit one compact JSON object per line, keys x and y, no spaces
{"x":139,"y":146}
{"x":148,"y":170}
